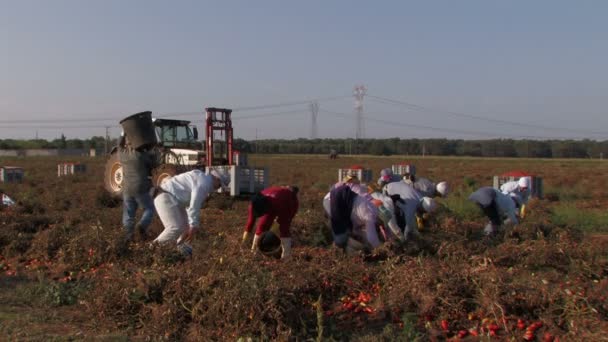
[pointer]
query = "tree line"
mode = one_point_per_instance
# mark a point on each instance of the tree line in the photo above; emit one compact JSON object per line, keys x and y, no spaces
{"x":436,"y":147}
{"x":387,"y":147}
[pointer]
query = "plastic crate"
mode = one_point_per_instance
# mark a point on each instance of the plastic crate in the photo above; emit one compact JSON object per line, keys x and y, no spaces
{"x":364,"y":175}
{"x":243,"y":179}
{"x":402,"y":169}
{"x":11,"y":174}
{"x":536,"y":184}
{"x":64,"y":169}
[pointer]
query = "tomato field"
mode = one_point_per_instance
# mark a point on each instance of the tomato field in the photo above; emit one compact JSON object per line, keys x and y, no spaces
{"x":66,"y":276}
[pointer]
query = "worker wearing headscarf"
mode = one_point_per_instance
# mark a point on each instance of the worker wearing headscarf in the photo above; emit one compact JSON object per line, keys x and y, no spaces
{"x":387,"y":176}
{"x":408,"y":202}
{"x":352,"y":215}
{"x":180,"y":201}
{"x":520,"y":188}
{"x":497,"y":207}
{"x":277,"y":202}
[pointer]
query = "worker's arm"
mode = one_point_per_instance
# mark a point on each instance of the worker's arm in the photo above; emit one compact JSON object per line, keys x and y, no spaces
{"x":250,"y":218}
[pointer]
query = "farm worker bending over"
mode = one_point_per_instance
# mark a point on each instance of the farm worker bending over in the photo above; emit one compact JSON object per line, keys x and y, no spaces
{"x":137,"y":165}
{"x":180,"y":201}
{"x":386,"y":214}
{"x":520,"y":188}
{"x":277,"y":202}
{"x":387,"y":176}
{"x":429,"y":189}
{"x":408,"y":203}
{"x":496,"y":206}
{"x":351,"y":213}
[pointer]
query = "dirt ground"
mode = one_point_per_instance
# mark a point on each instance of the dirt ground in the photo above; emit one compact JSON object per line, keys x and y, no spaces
{"x":66,"y":276}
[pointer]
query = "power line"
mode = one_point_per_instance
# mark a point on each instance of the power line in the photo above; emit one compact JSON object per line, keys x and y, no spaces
{"x":457,"y":114}
{"x":287,"y":104}
{"x":449,"y":130}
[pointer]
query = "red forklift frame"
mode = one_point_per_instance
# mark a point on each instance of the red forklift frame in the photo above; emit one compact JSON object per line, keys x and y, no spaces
{"x":218,"y":119}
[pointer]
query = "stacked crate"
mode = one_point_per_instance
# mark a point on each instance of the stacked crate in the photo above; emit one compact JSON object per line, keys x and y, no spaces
{"x":11,"y":174}
{"x":243,"y":179}
{"x":403,"y":168}
{"x":364,"y":175}
{"x":65,"y":169}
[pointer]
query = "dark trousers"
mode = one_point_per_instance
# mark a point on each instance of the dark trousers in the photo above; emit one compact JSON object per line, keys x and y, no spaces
{"x":341,"y":205}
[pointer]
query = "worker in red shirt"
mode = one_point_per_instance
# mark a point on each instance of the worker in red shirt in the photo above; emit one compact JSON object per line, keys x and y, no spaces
{"x":276,"y":202}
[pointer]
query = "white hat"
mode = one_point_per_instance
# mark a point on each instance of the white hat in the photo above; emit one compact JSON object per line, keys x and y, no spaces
{"x":524,"y":182}
{"x":442,"y":188}
{"x":428,"y":204}
{"x":224,"y":177}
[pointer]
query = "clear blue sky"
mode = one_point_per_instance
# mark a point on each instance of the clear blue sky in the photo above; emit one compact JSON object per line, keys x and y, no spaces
{"x":539,"y":63}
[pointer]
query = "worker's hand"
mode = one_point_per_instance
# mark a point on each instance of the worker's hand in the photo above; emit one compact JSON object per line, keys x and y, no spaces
{"x":255,"y":245}
{"x":286,"y":248}
{"x":247,"y":236}
{"x":189,"y":234}
{"x":522,"y":211}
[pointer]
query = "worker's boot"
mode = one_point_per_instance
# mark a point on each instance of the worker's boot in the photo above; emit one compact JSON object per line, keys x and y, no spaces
{"x":129,"y":234}
{"x":143,"y":233}
{"x":286,"y":246}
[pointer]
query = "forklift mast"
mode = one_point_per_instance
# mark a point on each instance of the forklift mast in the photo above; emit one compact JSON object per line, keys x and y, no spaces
{"x":218,"y":147}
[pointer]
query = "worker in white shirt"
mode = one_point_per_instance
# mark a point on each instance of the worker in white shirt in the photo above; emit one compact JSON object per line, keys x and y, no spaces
{"x":499,"y":208}
{"x":408,"y":203}
{"x":521,"y":188}
{"x":179,"y":204}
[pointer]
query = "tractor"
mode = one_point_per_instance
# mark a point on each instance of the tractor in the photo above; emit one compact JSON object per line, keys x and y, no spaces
{"x":178,"y":150}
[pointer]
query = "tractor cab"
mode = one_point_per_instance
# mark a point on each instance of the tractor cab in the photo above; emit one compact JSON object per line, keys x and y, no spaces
{"x":177,"y":134}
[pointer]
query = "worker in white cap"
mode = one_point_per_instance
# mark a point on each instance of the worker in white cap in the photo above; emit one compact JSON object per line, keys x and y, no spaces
{"x":179,"y":204}
{"x":520,"y":188}
{"x":499,"y":208}
{"x":408,"y":202}
{"x":429,"y":189}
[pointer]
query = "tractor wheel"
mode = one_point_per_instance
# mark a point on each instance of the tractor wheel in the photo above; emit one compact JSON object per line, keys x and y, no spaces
{"x":113,"y":176}
{"x":163,"y":172}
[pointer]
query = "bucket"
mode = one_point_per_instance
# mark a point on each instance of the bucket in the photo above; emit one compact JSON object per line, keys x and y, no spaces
{"x":139,"y":129}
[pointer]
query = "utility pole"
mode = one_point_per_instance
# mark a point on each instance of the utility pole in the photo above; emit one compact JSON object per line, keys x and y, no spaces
{"x":359,"y":93}
{"x":107,"y":139}
{"x":314,"y":111}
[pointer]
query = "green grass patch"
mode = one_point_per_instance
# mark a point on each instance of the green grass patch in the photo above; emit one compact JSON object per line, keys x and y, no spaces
{"x":567,"y":215}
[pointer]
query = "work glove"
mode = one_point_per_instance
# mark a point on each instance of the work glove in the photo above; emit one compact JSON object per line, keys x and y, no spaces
{"x":255,"y":246}
{"x":286,"y":247}
{"x":522,"y":211}
{"x":247,"y":237}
